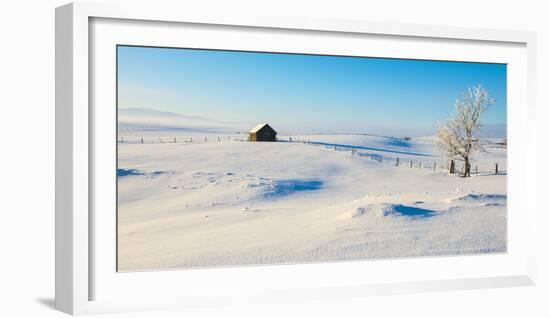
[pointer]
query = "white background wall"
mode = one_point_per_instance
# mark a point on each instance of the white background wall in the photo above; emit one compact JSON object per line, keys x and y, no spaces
{"x":27,"y":157}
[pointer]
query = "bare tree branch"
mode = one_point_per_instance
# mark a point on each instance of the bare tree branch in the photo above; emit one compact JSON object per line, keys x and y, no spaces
{"x":459,"y":137}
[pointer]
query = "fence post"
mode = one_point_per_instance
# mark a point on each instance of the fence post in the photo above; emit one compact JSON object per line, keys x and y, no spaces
{"x":411,"y":163}
{"x":397,"y":162}
{"x":476,"y":169}
{"x":434,"y":166}
{"x":141,"y":139}
{"x":496,"y":168}
{"x":452,"y":168}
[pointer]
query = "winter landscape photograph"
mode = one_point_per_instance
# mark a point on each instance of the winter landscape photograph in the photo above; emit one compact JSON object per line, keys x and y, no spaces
{"x":234,"y":158}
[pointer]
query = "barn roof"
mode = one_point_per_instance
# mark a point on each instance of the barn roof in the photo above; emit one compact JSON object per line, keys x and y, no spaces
{"x":258,"y":127}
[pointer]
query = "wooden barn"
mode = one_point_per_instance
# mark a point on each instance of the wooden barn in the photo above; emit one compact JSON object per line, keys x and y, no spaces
{"x":263,"y":132}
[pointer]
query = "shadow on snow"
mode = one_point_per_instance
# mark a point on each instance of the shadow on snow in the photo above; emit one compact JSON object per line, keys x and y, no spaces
{"x":396,"y":142}
{"x":135,"y":172}
{"x":371,"y":148}
{"x":406,"y":210}
{"x":128,"y":172}
{"x":281,"y":188}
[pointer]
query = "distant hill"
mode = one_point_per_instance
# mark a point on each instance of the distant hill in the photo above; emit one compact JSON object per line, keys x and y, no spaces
{"x":150,"y":119}
{"x":146,"y":119}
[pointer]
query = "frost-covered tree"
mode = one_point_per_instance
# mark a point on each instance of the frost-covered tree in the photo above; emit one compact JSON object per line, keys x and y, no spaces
{"x":459,"y":137}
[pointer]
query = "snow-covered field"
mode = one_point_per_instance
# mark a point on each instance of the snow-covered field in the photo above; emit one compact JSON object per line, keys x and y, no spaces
{"x":228,"y":202}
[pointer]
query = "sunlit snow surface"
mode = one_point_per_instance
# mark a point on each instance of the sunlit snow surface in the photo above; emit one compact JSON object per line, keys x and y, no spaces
{"x":229,"y":202}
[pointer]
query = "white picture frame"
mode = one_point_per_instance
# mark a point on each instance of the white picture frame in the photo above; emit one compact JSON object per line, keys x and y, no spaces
{"x":77,"y":269}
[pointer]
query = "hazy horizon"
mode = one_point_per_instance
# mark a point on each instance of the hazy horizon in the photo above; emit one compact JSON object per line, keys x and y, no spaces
{"x":156,"y":123}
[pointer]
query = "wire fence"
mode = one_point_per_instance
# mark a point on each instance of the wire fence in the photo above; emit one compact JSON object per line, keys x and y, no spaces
{"x":408,"y":160}
{"x":178,"y":139}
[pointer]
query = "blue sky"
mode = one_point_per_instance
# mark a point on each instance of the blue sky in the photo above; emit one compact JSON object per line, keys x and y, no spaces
{"x":304,"y":93}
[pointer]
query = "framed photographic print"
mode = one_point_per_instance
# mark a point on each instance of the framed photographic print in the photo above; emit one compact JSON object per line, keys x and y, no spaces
{"x":204,"y":158}
{"x":353,"y":171}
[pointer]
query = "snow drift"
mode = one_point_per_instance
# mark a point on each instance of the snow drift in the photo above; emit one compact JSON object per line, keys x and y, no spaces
{"x":390,"y":210}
